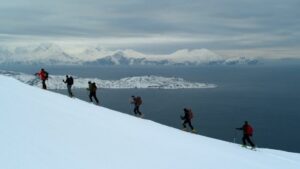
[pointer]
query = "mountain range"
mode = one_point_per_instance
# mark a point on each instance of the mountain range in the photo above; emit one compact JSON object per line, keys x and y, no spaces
{"x":52,"y":54}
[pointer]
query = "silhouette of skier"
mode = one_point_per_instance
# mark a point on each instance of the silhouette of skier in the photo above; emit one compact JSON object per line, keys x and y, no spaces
{"x":93,"y":88}
{"x":247,"y":133}
{"x":137,"y":102}
{"x":69,"y":81}
{"x":187,"y":119}
{"x":43,"y":75}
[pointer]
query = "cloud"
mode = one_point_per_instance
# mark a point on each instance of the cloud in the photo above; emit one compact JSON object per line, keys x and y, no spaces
{"x":158,"y":25}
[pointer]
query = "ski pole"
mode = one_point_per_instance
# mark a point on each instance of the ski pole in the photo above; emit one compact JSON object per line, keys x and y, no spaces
{"x":130,"y":107}
{"x":234,"y":136}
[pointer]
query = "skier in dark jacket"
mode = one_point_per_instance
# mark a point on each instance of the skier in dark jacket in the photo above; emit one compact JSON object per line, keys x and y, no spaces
{"x":43,"y":75}
{"x":93,"y":88}
{"x":247,"y":133}
{"x":187,"y":119}
{"x":69,"y":81}
{"x":137,"y":101}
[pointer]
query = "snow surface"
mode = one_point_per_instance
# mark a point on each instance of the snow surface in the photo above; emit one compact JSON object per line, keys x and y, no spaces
{"x":158,"y":82}
{"x":44,"y":130}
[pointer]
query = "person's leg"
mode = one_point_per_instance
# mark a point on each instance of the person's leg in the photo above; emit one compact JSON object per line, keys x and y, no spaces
{"x":244,"y":140}
{"x":135,"y":109}
{"x":138,"y":110}
{"x":44,"y":84}
{"x":183,"y":124}
{"x":95,"y":97}
{"x":69,"y":90}
{"x":249,"y":141}
{"x":190,"y":124}
{"x":90,"y":96}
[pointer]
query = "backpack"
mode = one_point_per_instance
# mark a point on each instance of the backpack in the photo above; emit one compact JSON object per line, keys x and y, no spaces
{"x":138,"y":100}
{"x":249,"y":130}
{"x":190,"y":115}
{"x":71,"y":81}
{"x":46,"y":75}
{"x":94,"y":87}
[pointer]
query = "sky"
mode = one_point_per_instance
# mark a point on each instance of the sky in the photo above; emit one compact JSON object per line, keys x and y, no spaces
{"x":228,"y":27}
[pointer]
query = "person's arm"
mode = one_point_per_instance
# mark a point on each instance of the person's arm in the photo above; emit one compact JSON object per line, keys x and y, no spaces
{"x":133,"y":101}
{"x":184,"y":117}
{"x":240,"y":128}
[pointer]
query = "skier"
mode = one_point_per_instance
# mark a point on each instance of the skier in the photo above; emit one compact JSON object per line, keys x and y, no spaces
{"x":43,"y":75}
{"x":93,"y":88}
{"x":137,"y":101}
{"x":187,"y":119}
{"x":247,"y":133}
{"x":69,"y":81}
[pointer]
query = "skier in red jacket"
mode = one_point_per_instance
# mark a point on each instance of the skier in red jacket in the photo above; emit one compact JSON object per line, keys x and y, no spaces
{"x":43,"y":75}
{"x":247,"y":133}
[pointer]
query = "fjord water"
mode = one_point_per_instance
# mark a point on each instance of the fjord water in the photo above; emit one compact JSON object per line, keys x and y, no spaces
{"x":268,"y":96}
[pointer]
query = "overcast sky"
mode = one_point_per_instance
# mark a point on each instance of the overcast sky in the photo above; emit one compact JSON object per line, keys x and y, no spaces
{"x":229,"y":27}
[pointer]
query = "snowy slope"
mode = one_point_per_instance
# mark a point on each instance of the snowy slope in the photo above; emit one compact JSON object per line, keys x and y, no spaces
{"x":44,"y":130}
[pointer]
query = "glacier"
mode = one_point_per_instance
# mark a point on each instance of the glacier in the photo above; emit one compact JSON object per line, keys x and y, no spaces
{"x":141,"y":82}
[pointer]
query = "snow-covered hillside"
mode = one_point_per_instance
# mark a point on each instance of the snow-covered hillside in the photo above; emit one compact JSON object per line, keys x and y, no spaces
{"x":52,"y":54}
{"x":157,"y":82}
{"x":44,"y":130}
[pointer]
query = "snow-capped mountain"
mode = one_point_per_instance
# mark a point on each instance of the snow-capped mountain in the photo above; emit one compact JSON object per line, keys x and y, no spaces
{"x":157,"y":82}
{"x":180,"y":57}
{"x":117,"y":58}
{"x":45,"y":130}
{"x":5,"y":54}
{"x":45,"y":53}
{"x":51,"y":54}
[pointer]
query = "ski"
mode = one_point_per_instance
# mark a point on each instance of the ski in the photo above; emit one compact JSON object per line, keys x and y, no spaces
{"x":249,"y":148}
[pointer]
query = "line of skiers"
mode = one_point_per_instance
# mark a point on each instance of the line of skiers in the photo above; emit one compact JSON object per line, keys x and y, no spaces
{"x":92,"y":88}
{"x":137,"y":102}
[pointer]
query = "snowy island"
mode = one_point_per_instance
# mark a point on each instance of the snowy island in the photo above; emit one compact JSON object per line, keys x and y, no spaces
{"x":156,"y":82}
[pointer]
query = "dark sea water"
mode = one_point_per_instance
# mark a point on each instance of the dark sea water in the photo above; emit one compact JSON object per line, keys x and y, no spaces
{"x":268,"y":96}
